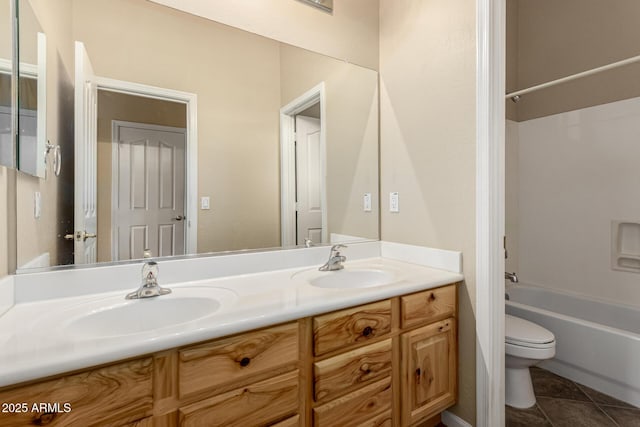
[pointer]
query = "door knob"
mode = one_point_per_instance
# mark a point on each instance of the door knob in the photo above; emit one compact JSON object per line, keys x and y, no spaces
{"x":179,"y":218}
{"x":80,"y":235}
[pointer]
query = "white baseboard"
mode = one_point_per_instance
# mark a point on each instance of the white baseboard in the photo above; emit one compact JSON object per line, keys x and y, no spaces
{"x":451,"y":420}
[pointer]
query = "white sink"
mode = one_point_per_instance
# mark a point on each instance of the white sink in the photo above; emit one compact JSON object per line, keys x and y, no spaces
{"x":351,"y":277}
{"x":116,"y":317}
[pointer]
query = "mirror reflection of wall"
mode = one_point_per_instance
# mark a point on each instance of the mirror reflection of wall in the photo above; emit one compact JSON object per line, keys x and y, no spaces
{"x":241,"y":81}
{"x":6,"y":147}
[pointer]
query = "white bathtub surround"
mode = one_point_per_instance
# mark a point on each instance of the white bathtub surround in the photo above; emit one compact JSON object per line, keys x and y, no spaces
{"x":577,"y":172}
{"x":41,"y":336}
{"x":597,"y":342}
{"x":7,"y":297}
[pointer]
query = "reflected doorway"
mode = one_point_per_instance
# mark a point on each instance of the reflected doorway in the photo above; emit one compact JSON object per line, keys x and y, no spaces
{"x":141,"y":176}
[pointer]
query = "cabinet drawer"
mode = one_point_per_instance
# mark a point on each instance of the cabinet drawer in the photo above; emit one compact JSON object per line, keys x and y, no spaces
{"x":113,"y":395}
{"x":428,"y":306}
{"x":353,"y":325}
{"x":289,"y":422}
{"x":355,"y":408}
{"x":360,"y":366}
{"x":259,"y":404}
{"x":208,"y":365}
{"x":382,"y":420}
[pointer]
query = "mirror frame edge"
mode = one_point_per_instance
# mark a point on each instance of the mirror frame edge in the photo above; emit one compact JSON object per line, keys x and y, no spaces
{"x":12,"y":196}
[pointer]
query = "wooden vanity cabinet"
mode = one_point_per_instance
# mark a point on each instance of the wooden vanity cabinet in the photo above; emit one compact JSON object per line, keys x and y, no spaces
{"x":387,"y":363}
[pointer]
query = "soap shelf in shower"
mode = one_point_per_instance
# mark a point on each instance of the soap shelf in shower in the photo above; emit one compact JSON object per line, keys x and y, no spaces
{"x":625,"y":246}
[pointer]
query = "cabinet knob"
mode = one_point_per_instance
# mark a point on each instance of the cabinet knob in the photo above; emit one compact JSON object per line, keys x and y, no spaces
{"x":365,"y":368}
{"x":245,"y":361}
{"x":367,"y":331}
{"x":432,"y":297}
{"x":418,"y":375}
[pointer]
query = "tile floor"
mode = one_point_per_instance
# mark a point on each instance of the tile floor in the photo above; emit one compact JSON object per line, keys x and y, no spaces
{"x":563,"y":403}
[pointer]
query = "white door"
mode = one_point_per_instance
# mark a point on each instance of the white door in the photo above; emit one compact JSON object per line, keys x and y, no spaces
{"x":85,"y":159}
{"x":148,"y":190}
{"x":308,"y":180}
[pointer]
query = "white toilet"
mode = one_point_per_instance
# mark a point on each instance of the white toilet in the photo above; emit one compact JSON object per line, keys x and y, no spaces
{"x":526,"y":344}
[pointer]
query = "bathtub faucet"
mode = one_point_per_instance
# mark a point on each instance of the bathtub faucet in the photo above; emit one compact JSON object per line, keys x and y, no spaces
{"x":513,"y":277}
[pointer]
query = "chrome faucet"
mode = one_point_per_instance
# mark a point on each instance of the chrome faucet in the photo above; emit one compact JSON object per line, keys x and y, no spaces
{"x":149,"y":287}
{"x":513,"y":277}
{"x":335,"y":259}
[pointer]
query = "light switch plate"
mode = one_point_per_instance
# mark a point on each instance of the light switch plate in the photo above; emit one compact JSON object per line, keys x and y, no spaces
{"x":37,"y":205}
{"x":366,"y":202}
{"x":205,"y":203}
{"x":394,"y":202}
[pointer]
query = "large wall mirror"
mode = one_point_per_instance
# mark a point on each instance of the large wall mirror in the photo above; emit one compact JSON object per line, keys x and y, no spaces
{"x":158,"y":132}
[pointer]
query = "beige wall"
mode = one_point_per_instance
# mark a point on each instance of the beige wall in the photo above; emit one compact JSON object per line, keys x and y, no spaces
{"x":352,"y":134}
{"x":427,"y":70}
{"x":38,"y":236}
{"x":117,"y":106}
{"x":560,"y":38}
{"x":238,"y":103}
{"x":350,"y":33}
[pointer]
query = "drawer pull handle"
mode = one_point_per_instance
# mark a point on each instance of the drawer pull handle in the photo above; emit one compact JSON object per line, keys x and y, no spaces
{"x":432,"y":297}
{"x":367,"y":331}
{"x":245,"y":361}
{"x":418,"y":375}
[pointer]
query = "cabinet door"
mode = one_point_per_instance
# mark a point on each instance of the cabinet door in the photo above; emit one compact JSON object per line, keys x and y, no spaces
{"x":429,"y":371}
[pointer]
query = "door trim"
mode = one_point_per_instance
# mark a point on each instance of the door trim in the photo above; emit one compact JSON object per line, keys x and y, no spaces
{"x":191,"y":154}
{"x":115,"y":125}
{"x":490,"y":211}
{"x":288,"y":159}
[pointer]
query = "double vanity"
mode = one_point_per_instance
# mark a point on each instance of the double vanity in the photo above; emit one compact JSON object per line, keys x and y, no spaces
{"x":372,"y":344}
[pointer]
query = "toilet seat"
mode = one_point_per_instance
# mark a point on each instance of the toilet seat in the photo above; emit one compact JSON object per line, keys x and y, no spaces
{"x":522,"y":332}
{"x":527,"y":340}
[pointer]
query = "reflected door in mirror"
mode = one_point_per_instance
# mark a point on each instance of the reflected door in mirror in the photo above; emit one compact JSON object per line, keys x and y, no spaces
{"x":149,"y":190}
{"x":308,"y":180}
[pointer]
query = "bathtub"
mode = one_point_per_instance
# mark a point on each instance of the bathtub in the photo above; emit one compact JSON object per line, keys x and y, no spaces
{"x":597,"y":342}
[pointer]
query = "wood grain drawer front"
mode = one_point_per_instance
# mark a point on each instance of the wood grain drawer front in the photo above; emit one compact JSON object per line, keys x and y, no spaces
{"x":113,"y":395}
{"x":360,"y":366}
{"x":226,"y":360}
{"x":289,"y":422}
{"x":428,"y":306}
{"x":356,"y":408}
{"x":264,"y":403}
{"x":353,"y":325}
{"x":383,"y":420}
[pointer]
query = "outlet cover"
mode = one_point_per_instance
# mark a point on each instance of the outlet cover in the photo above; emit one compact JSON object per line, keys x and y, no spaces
{"x":205,"y":203}
{"x":366,"y":202}
{"x":394,"y":202}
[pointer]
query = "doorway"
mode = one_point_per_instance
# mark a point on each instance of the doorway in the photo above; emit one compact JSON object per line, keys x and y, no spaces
{"x":303,"y":169}
{"x":309,"y":181}
{"x":141,"y":177}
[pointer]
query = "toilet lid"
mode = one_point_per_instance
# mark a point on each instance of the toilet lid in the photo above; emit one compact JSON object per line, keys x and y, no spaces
{"x":520,"y":331}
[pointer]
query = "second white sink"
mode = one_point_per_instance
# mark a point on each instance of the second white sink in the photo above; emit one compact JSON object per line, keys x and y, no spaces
{"x":353,"y":278}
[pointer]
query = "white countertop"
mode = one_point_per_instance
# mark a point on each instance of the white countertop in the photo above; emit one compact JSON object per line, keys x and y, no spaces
{"x":34,"y":343}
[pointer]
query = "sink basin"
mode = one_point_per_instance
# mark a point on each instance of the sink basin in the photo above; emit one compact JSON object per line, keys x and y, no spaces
{"x":116,"y":317}
{"x":353,"y":278}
